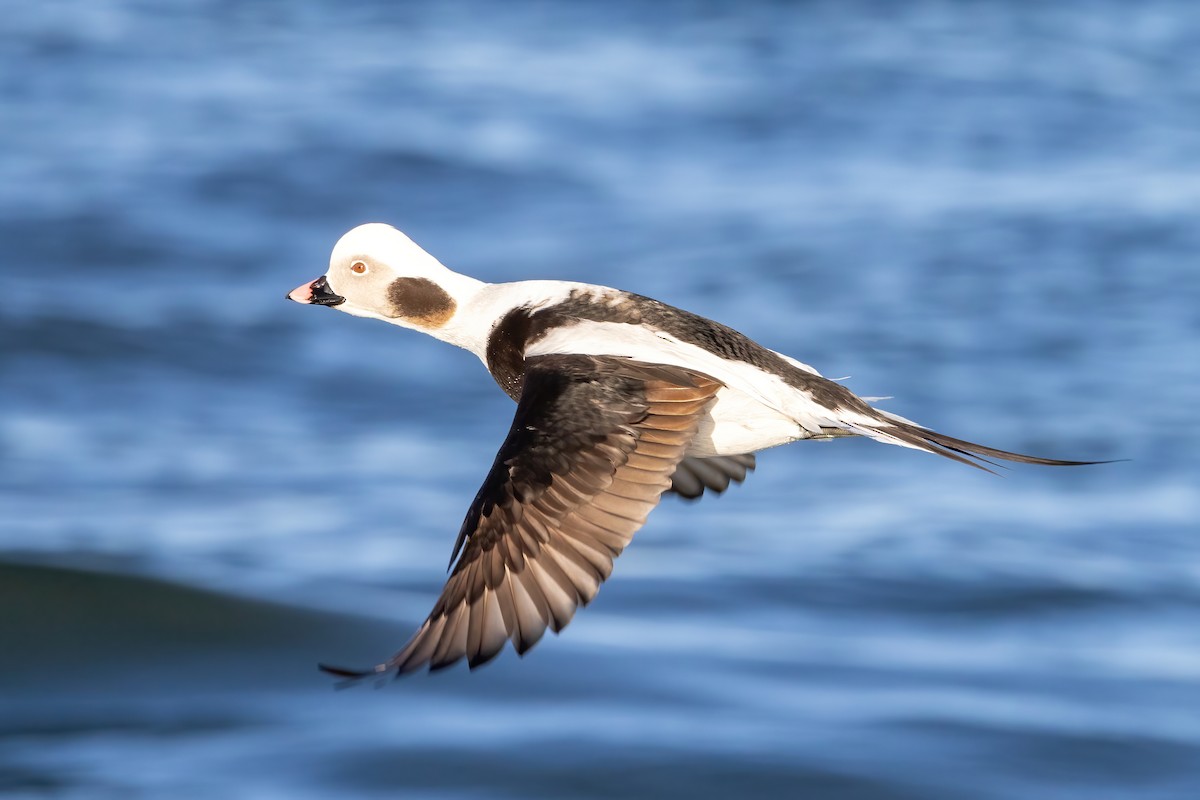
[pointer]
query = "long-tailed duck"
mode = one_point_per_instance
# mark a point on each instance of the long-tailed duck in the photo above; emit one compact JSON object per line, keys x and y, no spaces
{"x":620,"y":398}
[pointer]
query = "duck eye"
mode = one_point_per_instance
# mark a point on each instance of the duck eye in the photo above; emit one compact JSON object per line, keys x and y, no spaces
{"x":358,"y":268}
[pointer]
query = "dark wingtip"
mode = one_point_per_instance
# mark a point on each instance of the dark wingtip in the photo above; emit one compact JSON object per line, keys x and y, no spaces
{"x":479,"y":659}
{"x":350,"y":678}
{"x":343,"y":672}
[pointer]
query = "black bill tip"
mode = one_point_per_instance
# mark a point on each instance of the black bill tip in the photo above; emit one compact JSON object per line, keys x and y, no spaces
{"x":321,"y":295}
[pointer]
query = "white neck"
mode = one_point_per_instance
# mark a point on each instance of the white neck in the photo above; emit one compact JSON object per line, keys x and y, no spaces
{"x":467,"y":328}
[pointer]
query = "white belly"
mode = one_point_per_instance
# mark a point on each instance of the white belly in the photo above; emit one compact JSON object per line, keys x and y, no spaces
{"x":737,"y":424}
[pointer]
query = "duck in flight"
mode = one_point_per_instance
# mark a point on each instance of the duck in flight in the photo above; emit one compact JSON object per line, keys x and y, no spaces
{"x":620,"y":399}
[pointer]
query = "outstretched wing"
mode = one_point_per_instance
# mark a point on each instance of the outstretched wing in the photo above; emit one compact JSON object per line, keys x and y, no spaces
{"x":592,"y":447}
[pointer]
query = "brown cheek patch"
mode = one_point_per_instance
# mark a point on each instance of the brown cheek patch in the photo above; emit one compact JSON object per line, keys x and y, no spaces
{"x":420,"y":301}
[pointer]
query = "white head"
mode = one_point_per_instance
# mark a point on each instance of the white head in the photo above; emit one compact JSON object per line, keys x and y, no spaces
{"x":376,"y":271}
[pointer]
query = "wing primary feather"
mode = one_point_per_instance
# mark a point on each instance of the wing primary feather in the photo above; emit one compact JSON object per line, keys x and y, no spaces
{"x":494,"y":632}
{"x":475,"y":613}
{"x":453,"y":642}
{"x":531,"y":620}
{"x":560,"y":599}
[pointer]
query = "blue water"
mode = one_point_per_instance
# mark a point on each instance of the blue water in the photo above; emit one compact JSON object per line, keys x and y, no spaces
{"x":985,"y":210}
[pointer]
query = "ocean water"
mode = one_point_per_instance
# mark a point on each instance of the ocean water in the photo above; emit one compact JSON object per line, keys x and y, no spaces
{"x":988,"y":211}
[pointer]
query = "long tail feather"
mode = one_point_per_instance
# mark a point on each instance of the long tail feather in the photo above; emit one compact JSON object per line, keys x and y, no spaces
{"x":960,"y":450}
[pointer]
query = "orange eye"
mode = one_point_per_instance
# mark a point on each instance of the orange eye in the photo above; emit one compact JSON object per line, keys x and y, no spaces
{"x":358,"y":268}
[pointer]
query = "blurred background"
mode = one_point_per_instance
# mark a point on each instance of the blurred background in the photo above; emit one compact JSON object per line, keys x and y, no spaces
{"x":987,"y":210}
